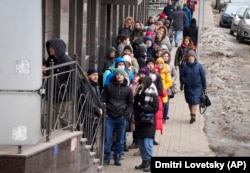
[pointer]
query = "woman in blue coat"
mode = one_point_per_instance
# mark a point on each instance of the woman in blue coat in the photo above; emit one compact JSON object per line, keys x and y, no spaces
{"x":193,"y":77}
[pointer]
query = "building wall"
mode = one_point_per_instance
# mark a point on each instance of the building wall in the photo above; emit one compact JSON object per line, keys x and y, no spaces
{"x":88,"y":26}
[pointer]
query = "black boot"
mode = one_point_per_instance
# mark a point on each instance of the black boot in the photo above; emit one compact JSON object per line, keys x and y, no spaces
{"x":125,"y":147}
{"x":148,"y":167}
{"x":142,"y":165}
{"x":117,"y":160}
{"x":155,"y":143}
{"x":106,"y":161}
{"x":192,"y":118}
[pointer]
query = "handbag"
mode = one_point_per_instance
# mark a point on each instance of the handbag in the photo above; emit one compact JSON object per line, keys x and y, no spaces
{"x":204,"y":102}
{"x":172,"y":91}
{"x":147,"y":118}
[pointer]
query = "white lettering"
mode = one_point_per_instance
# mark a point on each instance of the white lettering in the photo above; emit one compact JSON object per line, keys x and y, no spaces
{"x":215,"y":164}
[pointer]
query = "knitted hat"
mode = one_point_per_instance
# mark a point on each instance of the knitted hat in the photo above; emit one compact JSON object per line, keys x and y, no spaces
{"x":127,"y":58}
{"x":149,"y":33}
{"x":137,"y":41}
{"x":150,"y":28}
{"x":92,"y":70}
{"x":120,"y":71}
{"x":144,"y":70}
{"x":118,"y":60}
{"x":191,"y":53}
{"x":162,"y":16}
{"x":150,"y":60}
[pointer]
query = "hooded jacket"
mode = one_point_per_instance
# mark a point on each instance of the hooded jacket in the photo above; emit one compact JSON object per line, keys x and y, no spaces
{"x":61,"y":57}
{"x":192,"y":31}
{"x":107,"y":61}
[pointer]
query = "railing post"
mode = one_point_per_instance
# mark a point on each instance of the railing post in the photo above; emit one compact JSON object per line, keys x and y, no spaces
{"x":50,"y":101}
{"x":74,"y":89}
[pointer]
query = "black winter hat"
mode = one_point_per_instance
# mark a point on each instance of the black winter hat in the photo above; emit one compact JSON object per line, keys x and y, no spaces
{"x":92,"y":70}
{"x":150,"y":60}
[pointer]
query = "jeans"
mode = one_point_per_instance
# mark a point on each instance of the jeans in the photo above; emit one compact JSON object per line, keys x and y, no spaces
{"x":178,"y":34}
{"x":119,"y":125}
{"x":165,"y":109}
{"x":146,"y":148}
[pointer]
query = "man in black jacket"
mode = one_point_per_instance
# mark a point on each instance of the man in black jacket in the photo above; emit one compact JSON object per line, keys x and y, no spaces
{"x":119,"y":99}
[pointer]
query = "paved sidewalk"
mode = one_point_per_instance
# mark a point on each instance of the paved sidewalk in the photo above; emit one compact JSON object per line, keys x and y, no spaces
{"x":179,"y":138}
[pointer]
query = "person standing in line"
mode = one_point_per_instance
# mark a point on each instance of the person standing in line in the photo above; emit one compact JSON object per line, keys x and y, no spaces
{"x":89,"y":109}
{"x":105,"y":63}
{"x":157,"y":80}
{"x":56,"y":49}
{"x":179,"y":18}
{"x":146,"y":103}
{"x":134,"y":85}
{"x":119,"y":100}
{"x":194,"y":80}
{"x":165,"y":73}
{"x":124,"y":41}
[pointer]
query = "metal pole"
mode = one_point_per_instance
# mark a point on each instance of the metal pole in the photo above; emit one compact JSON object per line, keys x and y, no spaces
{"x":50,"y":101}
{"x":200,"y":25}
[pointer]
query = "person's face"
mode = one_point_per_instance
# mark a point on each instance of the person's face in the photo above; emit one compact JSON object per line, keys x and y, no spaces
{"x":158,"y":53}
{"x":186,"y":41}
{"x":121,"y":65}
{"x":161,"y":29}
{"x":137,"y":26}
{"x":160,"y":64}
{"x":126,"y":52}
{"x":52,"y":51}
{"x":142,"y":85}
{"x":127,"y":64}
{"x":136,"y":79}
{"x":112,"y":54}
{"x":159,"y":35}
{"x":127,"y":41}
{"x":142,"y":75}
{"x":149,"y":43}
{"x":151,"y":66}
{"x":151,"y":20}
{"x":165,"y":57}
{"x":191,"y":59}
{"x":93,"y":77}
{"x":119,"y":78}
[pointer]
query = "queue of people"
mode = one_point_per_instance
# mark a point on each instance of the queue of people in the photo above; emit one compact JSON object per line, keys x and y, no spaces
{"x":135,"y":77}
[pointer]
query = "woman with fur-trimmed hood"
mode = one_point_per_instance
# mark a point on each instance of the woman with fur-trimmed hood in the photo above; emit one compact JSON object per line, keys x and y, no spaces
{"x":161,"y":37}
